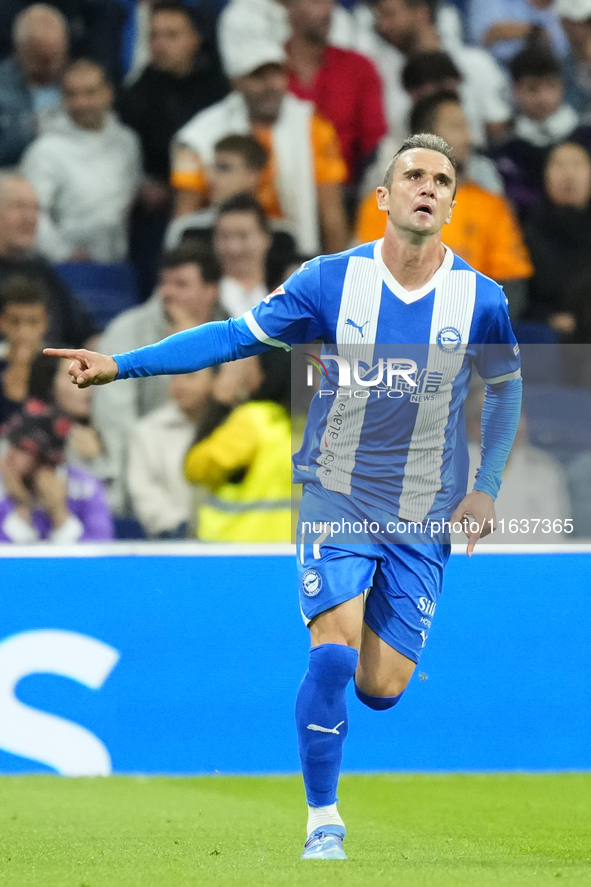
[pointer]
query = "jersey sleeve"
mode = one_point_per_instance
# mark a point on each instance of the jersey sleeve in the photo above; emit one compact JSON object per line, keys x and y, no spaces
{"x":291,"y":314}
{"x":497,"y":358}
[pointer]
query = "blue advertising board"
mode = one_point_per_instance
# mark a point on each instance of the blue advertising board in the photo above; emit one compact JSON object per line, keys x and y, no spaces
{"x":187,"y":660}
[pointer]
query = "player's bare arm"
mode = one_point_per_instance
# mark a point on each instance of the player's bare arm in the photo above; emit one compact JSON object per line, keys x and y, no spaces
{"x":87,"y":367}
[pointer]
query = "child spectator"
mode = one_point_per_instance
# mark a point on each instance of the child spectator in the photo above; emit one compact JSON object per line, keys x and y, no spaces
{"x":42,"y":497}
{"x":162,"y":499}
{"x":245,"y":462}
{"x":23,"y":324}
{"x":543,"y":121}
{"x":238,"y":163}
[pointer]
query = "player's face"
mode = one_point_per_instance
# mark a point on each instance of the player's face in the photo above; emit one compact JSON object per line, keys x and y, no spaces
{"x":420,"y":200}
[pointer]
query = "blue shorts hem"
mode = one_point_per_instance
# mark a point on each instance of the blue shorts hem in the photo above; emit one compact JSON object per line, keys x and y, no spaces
{"x":328,"y":605}
{"x":400,"y":648}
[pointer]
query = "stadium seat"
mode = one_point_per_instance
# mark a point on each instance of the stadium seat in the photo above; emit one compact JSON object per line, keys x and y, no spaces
{"x":558,"y":419}
{"x":107,"y":290}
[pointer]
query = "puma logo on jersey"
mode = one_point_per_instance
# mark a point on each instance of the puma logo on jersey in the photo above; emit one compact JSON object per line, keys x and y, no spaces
{"x":350,"y":322}
{"x":318,"y":729}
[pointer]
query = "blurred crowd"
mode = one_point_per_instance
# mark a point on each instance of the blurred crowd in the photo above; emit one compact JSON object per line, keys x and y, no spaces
{"x":167,"y":163}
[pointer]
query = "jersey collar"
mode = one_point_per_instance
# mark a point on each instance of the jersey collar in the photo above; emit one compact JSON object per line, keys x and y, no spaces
{"x":409,"y":296}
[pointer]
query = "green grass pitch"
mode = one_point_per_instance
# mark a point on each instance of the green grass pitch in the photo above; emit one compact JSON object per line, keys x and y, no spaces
{"x":406,"y":830}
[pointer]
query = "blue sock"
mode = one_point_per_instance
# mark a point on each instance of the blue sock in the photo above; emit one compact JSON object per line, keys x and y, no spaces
{"x":378,"y":703}
{"x":321,"y":719}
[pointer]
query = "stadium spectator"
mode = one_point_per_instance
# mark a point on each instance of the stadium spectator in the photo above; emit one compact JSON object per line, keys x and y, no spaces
{"x":245,"y":461}
{"x":23,"y":323}
{"x":302,"y":180}
{"x":506,"y":26}
{"x":95,"y":30}
{"x":558,"y":234}
{"x":248,"y":22}
{"x":344,"y":86}
{"x":534,"y":485}
{"x":242,"y":240}
{"x":401,"y":28}
{"x":238,"y":162}
{"x":483,"y":229}
{"x":182,"y":78}
{"x":543,"y":121}
{"x":575,"y":17}
{"x":237,"y":167}
{"x":86,"y":171}
{"x":162,"y":499}
{"x":30,"y":79}
{"x":69,"y":321}
{"x":43,"y":498}
{"x":186,"y":297}
{"x":84,"y":447}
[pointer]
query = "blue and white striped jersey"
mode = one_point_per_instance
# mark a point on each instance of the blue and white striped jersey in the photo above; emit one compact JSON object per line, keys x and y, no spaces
{"x":405,"y":453}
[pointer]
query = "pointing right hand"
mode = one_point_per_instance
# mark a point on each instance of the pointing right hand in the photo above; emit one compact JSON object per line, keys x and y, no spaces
{"x":87,"y":367}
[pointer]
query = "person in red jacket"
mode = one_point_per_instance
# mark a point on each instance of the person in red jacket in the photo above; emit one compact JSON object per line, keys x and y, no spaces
{"x":345,"y":86}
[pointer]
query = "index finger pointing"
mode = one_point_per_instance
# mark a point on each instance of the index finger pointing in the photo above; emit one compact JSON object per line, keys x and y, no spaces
{"x":62,"y":352}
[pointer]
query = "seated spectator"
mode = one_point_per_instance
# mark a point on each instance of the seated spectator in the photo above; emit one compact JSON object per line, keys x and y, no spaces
{"x":95,"y":29}
{"x":558,"y":234}
{"x":23,"y":323}
{"x":186,"y":297}
{"x":483,"y":229}
{"x":534,"y":485}
{"x":543,"y":121}
{"x":42,"y":497}
{"x":69,"y":321}
{"x":182,"y":78}
{"x":86,"y":171}
{"x":247,"y":22}
{"x":237,"y":167}
{"x":30,"y":78}
{"x":403,"y":28}
{"x":575,"y":18}
{"x":506,"y":26}
{"x":162,"y":499}
{"x":85,"y":447}
{"x":238,"y":163}
{"x":245,"y":462}
{"x":242,"y":239}
{"x":344,"y":86}
{"x":302,"y":180}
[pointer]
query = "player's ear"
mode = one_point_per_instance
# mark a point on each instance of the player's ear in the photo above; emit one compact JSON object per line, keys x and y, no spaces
{"x":383,"y":198}
{"x":450,"y":213}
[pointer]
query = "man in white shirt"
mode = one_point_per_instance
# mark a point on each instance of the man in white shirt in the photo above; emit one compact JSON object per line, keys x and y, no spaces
{"x":86,"y":170}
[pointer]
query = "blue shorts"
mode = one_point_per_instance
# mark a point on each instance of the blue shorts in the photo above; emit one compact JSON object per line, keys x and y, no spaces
{"x":401,"y":569}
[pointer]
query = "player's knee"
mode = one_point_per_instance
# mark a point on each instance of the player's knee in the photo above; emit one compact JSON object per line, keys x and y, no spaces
{"x":377,"y":703}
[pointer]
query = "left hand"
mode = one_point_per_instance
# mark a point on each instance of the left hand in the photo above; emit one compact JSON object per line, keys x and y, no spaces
{"x":53,"y":495}
{"x":476,"y":513}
